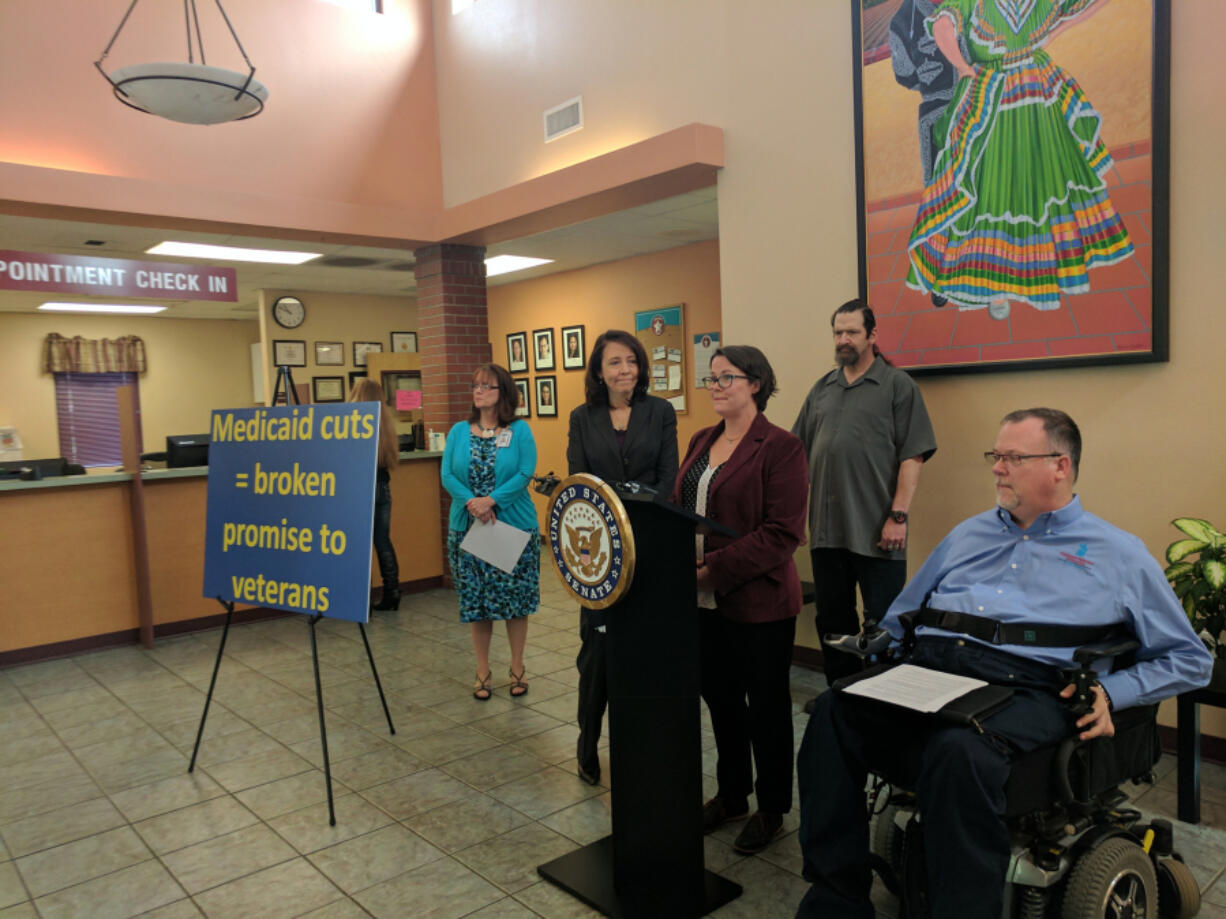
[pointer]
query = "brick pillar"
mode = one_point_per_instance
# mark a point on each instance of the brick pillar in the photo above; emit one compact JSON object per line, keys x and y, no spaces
{"x":452,"y":337}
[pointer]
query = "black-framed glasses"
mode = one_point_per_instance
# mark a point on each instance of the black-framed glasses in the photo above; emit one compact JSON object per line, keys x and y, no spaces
{"x":724,"y":380}
{"x":483,"y":387}
{"x":1015,"y":459}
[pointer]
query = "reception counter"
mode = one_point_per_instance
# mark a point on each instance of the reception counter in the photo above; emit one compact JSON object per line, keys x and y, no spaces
{"x":68,"y":570}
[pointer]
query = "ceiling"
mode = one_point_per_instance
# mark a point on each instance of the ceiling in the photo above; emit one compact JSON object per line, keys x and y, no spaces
{"x":655,"y":227}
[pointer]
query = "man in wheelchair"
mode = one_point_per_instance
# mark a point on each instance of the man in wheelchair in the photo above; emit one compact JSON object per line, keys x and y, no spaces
{"x":1006,"y":597}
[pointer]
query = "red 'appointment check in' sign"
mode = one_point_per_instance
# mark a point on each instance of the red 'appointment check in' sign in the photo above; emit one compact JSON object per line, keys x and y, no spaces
{"x":114,"y":277}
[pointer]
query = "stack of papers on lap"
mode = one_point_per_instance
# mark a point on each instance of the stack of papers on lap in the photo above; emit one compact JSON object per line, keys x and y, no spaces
{"x":916,"y":688}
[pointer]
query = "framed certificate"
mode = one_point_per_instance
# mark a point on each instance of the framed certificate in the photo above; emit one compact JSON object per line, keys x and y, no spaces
{"x":288,"y":353}
{"x":329,"y":353}
{"x":363,"y":348}
{"x":327,"y":389}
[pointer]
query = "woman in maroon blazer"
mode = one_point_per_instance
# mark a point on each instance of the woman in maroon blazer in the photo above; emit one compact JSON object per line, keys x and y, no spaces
{"x":751,"y":476}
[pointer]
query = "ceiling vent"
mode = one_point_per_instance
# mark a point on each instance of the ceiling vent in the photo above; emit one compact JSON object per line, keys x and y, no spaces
{"x":346,"y":261}
{"x":564,"y":119}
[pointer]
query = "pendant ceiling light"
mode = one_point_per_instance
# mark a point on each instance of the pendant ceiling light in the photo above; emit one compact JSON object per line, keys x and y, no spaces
{"x":191,"y":92}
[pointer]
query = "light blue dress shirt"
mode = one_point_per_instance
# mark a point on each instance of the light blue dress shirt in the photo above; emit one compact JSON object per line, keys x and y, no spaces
{"x":1072,"y":568}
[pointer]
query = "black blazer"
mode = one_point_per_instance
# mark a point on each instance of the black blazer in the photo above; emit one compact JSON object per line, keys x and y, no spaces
{"x":650,"y":453}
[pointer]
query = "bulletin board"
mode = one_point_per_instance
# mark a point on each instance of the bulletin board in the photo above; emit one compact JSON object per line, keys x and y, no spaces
{"x":662,"y":334}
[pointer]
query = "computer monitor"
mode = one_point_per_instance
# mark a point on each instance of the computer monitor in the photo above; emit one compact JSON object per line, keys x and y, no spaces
{"x":187,"y":450}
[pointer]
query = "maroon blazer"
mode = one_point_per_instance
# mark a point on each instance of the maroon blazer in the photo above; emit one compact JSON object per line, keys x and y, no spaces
{"x":762,"y":492}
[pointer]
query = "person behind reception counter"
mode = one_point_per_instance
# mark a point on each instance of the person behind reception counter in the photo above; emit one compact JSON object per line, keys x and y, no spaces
{"x":488,"y":462}
{"x":367,"y":390}
{"x":620,"y":434}
{"x":750,"y":476}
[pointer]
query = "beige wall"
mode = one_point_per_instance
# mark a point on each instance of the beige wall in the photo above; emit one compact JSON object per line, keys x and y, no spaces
{"x":195,"y":366}
{"x":334,"y":317}
{"x":599,"y":298}
{"x":777,"y":80}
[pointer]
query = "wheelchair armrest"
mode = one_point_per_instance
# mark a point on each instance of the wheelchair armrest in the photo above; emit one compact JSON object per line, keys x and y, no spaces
{"x":1090,"y":653}
{"x":869,"y":642}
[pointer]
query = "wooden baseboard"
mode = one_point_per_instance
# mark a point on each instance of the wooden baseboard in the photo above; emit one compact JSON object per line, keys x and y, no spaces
{"x":60,"y":649}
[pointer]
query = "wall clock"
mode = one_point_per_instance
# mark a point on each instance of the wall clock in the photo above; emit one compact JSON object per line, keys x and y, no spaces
{"x":288,"y":312}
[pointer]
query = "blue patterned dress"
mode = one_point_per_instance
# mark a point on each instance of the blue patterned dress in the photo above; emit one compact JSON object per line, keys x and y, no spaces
{"x":486,"y":592}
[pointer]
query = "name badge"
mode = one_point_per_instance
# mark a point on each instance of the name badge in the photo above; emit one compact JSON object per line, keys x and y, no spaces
{"x":504,"y":438}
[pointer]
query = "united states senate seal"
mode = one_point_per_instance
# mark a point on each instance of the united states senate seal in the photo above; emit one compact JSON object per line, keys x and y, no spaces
{"x":591,"y":540}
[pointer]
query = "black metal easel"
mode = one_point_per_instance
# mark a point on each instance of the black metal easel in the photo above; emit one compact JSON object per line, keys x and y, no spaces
{"x":285,"y":383}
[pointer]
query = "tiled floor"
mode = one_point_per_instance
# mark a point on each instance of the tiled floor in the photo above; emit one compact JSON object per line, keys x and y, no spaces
{"x":450,"y":817}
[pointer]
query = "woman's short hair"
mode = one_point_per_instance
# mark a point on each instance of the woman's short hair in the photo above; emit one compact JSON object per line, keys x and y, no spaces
{"x":594,"y":389}
{"x":508,"y":395}
{"x":753,"y":363}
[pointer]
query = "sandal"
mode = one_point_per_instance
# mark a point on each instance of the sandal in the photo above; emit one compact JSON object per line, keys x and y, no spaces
{"x":481,"y":692}
{"x":518,"y":686}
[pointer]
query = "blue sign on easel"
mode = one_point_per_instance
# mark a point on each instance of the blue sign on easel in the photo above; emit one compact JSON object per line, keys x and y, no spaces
{"x":291,"y":507}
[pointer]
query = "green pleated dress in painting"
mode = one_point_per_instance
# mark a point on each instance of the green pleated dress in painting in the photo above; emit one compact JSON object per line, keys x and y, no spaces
{"x":1017,"y":208}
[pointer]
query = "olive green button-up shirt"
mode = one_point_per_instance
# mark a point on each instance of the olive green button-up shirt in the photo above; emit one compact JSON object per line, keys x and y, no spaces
{"x":857,"y":435}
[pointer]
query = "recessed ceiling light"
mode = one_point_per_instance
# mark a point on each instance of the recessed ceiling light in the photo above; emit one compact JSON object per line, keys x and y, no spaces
{"x":100,"y":308}
{"x":503,"y":264}
{"x":232,"y":253}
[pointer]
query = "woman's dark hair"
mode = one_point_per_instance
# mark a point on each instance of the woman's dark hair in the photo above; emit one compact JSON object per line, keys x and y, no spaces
{"x":508,"y":394}
{"x":753,"y":363}
{"x":594,"y":389}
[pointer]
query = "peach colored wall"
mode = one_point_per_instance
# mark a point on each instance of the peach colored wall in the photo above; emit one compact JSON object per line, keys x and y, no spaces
{"x":195,"y":366}
{"x":335,"y":317}
{"x":599,"y":298}
{"x":351,"y":117}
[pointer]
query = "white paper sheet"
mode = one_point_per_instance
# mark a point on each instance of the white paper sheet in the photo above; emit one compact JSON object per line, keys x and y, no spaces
{"x":674,"y":376}
{"x":916,"y":688}
{"x":498,"y":543}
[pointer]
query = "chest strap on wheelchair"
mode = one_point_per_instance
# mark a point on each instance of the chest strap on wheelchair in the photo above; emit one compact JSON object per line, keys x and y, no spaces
{"x":995,"y":632}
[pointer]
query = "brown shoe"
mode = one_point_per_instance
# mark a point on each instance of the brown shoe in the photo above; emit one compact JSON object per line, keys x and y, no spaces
{"x":718,"y":811}
{"x":758,"y":833}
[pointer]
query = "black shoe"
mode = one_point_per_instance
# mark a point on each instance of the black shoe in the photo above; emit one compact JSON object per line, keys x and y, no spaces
{"x":718,"y":811}
{"x":810,"y":705}
{"x":758,"y":833}
{"x":390,"y":600}
{"x":592,"y":777}
{"x":938,"y":300}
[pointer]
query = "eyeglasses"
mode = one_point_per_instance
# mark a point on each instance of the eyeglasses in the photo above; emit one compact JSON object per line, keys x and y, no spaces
{"x":724,"y":380}
{"x":482,"y":387}
{"x":1015,"y":459}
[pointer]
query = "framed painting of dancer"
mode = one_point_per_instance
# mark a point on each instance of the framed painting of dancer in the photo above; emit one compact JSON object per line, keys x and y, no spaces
{"x":1012,"y":180}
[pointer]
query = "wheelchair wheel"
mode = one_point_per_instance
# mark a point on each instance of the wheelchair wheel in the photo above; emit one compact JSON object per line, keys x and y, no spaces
{"x":885,"y":839}
{"x":1115,"y":880}
{"x":1178,"y":892}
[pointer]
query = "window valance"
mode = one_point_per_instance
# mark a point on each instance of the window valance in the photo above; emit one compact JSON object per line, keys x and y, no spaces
{"x":84,"y":355}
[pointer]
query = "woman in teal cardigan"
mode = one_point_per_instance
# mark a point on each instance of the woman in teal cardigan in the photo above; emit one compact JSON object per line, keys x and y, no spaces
{"x":488,"y":463}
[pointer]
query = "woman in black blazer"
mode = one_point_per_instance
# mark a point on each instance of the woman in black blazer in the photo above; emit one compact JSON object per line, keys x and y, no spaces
{"x":620,"y":434}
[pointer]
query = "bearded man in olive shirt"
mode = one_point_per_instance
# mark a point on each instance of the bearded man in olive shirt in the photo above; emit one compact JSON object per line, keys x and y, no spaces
{"x":867,"y":433}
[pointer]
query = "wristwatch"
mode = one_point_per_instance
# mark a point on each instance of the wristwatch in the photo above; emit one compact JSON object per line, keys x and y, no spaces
{"x":898,"y":516}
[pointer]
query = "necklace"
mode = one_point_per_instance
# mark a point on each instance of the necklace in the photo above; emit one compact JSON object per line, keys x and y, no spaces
{"x":732,"y":440}
{"x":489,"y":432}
{"x":618,"y":408}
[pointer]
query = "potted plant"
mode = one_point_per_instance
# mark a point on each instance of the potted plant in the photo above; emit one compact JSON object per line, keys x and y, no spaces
{"x":1197,"y":572}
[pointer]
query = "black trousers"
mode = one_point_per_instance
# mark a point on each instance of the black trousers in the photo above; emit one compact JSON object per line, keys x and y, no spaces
{"x":958,"y":776}
{"x":385,"y":553}
{"x":745,"y":683}
{"x":593,"y":690}
{"x":836,"y":572}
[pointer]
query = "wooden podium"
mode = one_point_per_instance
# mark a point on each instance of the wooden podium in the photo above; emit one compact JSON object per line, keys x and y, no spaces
{"x":652,"y":864}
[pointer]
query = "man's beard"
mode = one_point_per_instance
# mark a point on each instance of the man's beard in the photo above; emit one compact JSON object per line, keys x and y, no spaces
{"x":846,"y":356}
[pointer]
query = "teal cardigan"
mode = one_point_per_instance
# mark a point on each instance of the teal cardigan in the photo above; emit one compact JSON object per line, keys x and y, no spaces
{"x":514,"y":466}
